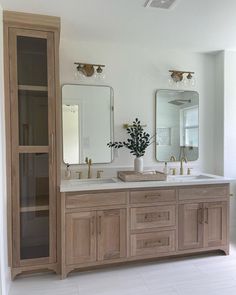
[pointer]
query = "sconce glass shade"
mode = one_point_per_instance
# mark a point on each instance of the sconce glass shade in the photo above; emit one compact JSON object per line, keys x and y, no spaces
{"x":177,"y":76}
{"x":89,"y":70}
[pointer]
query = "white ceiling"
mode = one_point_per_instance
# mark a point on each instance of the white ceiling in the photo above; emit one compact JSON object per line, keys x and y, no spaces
{"x":198,"y":25}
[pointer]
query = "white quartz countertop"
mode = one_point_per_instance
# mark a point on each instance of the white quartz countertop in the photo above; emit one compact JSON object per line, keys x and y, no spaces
{"x":74,"y":185}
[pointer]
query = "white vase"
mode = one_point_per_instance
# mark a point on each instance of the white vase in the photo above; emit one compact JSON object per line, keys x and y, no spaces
{"x":138,"y":164}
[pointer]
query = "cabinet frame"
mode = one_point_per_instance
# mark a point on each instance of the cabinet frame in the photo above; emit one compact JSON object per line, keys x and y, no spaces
{"x":31,"y":25}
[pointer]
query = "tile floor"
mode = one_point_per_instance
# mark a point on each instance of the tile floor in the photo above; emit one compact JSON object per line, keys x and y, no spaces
{"x":204,"y":275}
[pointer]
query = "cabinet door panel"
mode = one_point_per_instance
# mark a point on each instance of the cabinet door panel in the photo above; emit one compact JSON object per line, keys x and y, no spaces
{"x":80,"y":237}
{"x":111,"y":234}
{"x":33,"y":156}
{"x":191,"y":218}
{"x":215,"y":230}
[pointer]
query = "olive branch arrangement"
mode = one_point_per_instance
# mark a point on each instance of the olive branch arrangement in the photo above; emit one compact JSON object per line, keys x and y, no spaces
{"x":137,"y":143}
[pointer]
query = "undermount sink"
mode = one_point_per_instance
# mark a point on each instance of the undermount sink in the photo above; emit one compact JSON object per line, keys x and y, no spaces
{"x":91,"y":181}
{"x":188,"y":177}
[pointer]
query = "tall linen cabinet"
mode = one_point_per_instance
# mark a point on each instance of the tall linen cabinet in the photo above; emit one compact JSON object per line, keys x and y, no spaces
{"x":31,"y":45}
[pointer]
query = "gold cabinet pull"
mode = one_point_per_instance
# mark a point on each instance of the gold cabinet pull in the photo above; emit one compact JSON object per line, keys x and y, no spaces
{"x":150,"y":196}
{"x":201,"y":215}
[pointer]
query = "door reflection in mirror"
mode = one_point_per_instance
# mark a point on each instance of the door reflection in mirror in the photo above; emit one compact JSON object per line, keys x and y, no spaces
{"x":87,"y":121}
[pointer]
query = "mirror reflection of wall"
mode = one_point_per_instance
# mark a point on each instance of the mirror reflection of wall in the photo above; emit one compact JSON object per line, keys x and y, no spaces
{"x":87,"y":121}
{"x":177,"y":125}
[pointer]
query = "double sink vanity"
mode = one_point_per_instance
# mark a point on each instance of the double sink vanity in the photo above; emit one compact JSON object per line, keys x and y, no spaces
{"x":106,"y":221}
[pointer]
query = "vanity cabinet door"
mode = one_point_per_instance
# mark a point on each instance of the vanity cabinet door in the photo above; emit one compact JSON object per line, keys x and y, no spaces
{"x":215,"y":224}
{"x":191,"y":223}
{"x":111,"y":230}
{"x":32,"y":113}
{"x":80,"y":234}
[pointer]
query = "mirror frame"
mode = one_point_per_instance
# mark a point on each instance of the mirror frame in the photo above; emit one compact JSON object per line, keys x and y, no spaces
{"x":111,"y":118}
{"x":177,"y":90}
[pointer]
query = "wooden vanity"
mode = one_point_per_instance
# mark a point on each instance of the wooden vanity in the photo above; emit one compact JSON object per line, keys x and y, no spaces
{"x":121,"y":225}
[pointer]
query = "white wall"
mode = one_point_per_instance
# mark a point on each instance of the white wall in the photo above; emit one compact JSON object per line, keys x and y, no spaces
{"x":229,"y":114}
{"x":225,"y":121}
{"x":219,"y":112}
{"x":4,"y":270}
{"x":136,"y":73}
{"x":228,"y":62}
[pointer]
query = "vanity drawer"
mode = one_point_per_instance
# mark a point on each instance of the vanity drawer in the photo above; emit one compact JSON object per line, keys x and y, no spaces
{"x":203,"y":192}
{"x":152,"y":243}
{"x":151,"y":217}
{"x":152,"y":196}
{"x":95,"y":200}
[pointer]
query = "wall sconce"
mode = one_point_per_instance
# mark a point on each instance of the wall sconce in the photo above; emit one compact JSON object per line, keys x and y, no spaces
{"x":183,"y":78}
{"x":126,"y":125}
{"x":89,"y":70}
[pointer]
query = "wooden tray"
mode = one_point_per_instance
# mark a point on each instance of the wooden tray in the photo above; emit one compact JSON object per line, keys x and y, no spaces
{"x":129,"y":176}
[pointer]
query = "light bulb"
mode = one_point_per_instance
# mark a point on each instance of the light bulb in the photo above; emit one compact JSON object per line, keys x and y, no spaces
{"x":100,"y":73}
{"x":185,"y":81}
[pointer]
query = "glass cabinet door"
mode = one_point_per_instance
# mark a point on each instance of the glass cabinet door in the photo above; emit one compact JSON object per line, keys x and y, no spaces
{"x":33,"y":105}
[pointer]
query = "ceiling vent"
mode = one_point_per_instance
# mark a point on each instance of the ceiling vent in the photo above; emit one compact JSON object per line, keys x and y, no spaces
{"x":163,"y":4}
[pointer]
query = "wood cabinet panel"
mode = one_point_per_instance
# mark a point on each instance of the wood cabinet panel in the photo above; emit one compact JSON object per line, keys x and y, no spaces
{"x":111,"y":229}
{"x":203,"y":192}
{"x":215,"y":228}
{"x":152,"y":243}
{"x":191,"y":220}
{"x":150,"y":217}
{"x":80,"y":231}
{"x":152,"y":196}
{"x":75,"y":200}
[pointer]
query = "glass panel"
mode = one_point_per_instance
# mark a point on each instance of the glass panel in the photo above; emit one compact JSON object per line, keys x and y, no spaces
{"x":191,"y":117}
{"x":34,"y":235}
{"x":34,"y":180}
{"x":191,"y":137}
{"x":32,"y":61}
{"x":33,"y":118}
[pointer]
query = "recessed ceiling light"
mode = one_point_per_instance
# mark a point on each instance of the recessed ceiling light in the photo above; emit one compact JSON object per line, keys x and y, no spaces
{"x":163,"y":4}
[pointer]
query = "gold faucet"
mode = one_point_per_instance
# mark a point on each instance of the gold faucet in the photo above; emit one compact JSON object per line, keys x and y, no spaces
{"x":173,"y":159}
{"x":89,"y":163}
{"x":181,"y":165}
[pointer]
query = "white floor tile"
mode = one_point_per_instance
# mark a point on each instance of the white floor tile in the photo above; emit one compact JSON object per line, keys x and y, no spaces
{"x":210,"y":274}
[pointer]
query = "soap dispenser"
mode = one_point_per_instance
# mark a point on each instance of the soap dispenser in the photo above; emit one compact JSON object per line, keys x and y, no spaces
{"x":68,"y":172}
{"x":165,"y":168}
